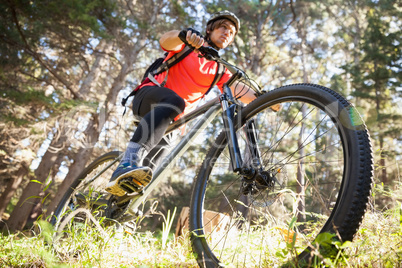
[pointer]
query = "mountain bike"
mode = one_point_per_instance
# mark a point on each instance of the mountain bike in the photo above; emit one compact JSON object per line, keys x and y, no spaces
{"x":293,"y":164}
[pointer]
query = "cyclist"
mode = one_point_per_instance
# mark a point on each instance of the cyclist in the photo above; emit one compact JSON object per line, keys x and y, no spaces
{"x":158,"y":105}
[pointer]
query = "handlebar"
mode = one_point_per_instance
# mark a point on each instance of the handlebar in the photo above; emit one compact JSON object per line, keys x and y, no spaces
{"x":213,"y":55}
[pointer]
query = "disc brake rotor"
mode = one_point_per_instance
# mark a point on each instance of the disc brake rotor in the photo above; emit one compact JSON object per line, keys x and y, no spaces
{"x":261,"y":189}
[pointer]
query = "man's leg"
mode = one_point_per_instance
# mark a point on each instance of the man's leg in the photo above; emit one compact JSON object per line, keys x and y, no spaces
{"x":157,"y":106}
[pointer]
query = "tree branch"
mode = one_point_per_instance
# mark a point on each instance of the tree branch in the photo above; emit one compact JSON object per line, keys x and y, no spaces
{"x":37,"y":55}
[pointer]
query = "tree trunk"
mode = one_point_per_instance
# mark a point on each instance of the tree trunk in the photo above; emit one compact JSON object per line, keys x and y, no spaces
{"x":378,"y":90}
{"x":89,"y":83}
{"x":30,"y":195}
{"x":80,"y":160}
{"x":11,"y":187}
{"x":301,"y":184}
{"x":383,"y":176}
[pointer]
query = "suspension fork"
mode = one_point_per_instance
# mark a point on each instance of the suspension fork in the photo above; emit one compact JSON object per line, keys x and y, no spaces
{"x":229,"y":128}
{"x":252,"y":144}
{"x":229,"y":109}
{"x":229,"y":105}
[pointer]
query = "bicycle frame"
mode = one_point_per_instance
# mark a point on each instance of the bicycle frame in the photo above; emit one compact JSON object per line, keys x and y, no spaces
{"x":178,"y":151}
{"x":209,"y":111}
{"x":229,"y":106}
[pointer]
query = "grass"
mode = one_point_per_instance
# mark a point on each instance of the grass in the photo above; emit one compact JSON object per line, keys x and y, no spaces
{"x":117,"y":248}
{"x":378,"y":243}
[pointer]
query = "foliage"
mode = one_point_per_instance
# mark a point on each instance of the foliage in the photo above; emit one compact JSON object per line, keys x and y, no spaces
{"x":167,"y":226}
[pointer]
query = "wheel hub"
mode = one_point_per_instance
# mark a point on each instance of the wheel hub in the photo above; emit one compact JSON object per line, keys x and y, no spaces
{"x":255,"y":181}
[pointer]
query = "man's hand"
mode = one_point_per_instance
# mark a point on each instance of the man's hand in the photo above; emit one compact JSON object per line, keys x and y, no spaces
{"x":171,"y":41}
{"x":194,"y":38}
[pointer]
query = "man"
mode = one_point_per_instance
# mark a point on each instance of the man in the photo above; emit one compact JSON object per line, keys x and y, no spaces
{"x":186,"y":83}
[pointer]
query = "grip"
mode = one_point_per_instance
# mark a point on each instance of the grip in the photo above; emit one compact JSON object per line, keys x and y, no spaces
{"x":183,"y":35}
{"x":207,"y":52}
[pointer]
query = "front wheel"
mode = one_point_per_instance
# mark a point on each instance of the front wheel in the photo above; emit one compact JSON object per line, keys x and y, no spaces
{"x":313,"y":176}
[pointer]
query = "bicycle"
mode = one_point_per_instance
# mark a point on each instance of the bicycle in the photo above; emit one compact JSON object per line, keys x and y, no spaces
{"x":293,"y":164}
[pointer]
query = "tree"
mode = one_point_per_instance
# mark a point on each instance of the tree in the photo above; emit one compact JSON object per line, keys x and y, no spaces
{"x":377,"y":77}
{"x":52,"y":36}
{"x":96,"y":95}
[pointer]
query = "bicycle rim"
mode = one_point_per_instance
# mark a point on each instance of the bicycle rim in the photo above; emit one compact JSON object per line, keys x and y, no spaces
{"x":82,"y":208}
{"x":312,"y":149}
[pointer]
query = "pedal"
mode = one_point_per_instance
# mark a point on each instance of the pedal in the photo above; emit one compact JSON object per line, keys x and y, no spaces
{"x":130,"y":185}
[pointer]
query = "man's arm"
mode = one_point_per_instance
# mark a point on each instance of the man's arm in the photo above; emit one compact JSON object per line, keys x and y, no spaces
{"x":247,"y":93}
{"x":170,"y":41}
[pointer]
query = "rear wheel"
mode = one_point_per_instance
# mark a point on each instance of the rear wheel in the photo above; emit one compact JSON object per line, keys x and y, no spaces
{"x":86,"y":205}
{"x":314,"y":176}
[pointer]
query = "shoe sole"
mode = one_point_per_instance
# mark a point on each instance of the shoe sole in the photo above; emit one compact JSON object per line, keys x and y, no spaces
{"x":140,"y":178}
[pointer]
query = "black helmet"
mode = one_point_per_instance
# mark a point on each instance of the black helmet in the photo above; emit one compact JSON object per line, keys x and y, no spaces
{"x":225,"y":15}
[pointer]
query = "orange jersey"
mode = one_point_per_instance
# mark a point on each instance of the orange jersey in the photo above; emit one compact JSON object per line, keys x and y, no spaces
{"x":191,"y":78}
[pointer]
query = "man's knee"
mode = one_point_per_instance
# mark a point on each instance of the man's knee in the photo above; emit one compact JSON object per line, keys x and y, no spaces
{"x":180,"y":103}
{"x":176,"y":103}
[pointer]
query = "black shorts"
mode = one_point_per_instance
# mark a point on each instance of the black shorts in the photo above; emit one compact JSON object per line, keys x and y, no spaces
{"x":156,"y":107}
{"x":148,"y":97}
